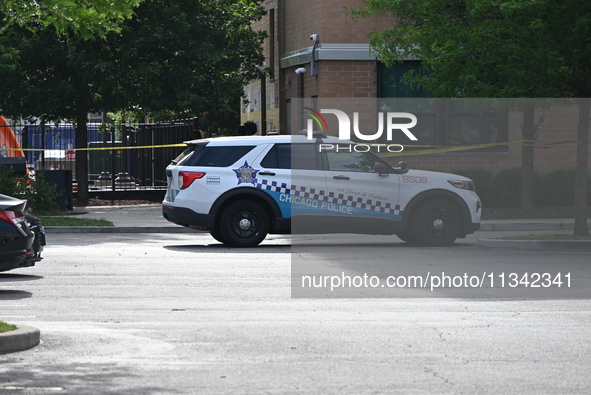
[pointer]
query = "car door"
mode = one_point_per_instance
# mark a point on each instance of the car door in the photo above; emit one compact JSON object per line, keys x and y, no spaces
{"x":361,"y":200}
{"x":292,"y":174}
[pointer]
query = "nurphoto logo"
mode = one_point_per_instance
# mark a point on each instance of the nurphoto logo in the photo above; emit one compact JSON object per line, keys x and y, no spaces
{"x":345,"y":131}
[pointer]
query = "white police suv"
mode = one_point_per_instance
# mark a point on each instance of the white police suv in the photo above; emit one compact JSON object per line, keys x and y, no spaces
{"x":242,"y":188}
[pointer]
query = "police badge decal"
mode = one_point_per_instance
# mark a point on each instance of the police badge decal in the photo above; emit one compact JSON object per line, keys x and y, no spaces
{"x":246,"y":174}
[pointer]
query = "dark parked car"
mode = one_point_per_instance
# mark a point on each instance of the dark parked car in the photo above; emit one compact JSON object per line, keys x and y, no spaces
{"x":22,"y":236}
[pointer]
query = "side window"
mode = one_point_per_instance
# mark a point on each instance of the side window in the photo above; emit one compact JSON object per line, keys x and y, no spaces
{"x":191,"y":149}
{"x":351,"y":161}
{"x":279,"y":157}
{"x":291,"y":156}
{"x":218,"y":156}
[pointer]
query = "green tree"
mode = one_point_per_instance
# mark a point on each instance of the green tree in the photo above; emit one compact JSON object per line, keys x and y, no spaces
{"x":568,"y":28}
{"x":188,"y":57}
{"x":86,"y":18}
{"x":56,"y":79}
{"x":493,"y":48}
{"x":181,"y":57}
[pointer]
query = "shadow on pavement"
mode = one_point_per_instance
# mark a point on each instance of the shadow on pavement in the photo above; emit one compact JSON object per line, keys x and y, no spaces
{"x":6,"y":294}
{"x":197,"y":248}
{"x":18,"y":277}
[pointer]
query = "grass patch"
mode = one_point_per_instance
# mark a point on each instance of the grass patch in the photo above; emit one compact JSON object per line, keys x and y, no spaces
{"x":73,"y":221}
{"x":536,"y":213}
{"x":559,"y":237}
{"x":4,"y":327}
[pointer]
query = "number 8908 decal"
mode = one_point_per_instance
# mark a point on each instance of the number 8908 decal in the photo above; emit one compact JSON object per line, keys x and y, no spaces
{"x":415,"y":180}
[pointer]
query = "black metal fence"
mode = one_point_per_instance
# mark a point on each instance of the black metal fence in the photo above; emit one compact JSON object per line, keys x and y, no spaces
{"x":131,"y":156}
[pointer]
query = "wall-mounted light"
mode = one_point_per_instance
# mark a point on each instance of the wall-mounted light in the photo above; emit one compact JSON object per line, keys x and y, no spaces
{"x":301,"y":71}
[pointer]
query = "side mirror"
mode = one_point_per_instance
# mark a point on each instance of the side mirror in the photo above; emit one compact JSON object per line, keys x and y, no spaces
{"x":382,"y":169}
{"x":401,"y":168}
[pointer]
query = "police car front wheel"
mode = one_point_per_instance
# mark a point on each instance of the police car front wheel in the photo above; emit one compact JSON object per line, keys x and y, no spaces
{"x":244,"y":224}
{"x":436,"y":224}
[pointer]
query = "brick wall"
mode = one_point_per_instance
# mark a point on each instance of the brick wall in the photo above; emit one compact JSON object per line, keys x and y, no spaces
{"x":346,"y":79}
{"x":337,"y":78}
{"x":329,"y":18}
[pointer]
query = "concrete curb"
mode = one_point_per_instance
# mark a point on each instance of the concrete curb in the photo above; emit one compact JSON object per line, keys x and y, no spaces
{"x":20,"y":339}
{"x":577,"y":245}
{"x":526,"y":226}
{"x":119,"y":229}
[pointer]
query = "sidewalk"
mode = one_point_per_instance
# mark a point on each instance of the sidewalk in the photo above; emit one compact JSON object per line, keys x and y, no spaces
{"x":126,"y":219}
{"x":149,"y":219}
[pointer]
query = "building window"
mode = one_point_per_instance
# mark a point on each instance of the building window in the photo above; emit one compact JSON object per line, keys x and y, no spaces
{"x":443,"y":122}
{"x":391,"y":80}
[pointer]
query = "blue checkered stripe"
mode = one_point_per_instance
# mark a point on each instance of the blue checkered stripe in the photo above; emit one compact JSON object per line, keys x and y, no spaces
{"x":331,"y":197}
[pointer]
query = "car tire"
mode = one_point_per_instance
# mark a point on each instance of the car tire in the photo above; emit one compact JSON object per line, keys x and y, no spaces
{"x":244,"y":224}
{"x":407,"y":237}
{"x":215,"y":233}
{"x":436,"y":224}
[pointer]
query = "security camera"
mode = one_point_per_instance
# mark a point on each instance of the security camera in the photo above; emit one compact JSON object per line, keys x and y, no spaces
{"x":301,"y":70}
{"x":315,"y":37}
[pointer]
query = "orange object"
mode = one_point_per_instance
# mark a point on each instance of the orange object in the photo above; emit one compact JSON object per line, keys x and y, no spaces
{"x":8,"y":140}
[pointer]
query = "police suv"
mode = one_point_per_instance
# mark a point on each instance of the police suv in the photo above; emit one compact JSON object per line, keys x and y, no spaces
{"x":242,"y":188}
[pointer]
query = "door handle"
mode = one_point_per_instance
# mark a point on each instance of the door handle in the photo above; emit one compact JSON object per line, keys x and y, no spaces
{"x":266,"y":173}
{"x":341,"y":178}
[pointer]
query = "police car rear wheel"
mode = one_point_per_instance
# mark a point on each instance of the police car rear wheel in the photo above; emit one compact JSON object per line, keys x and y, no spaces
{"x":436,"y":224}
{"x":244,"y":224}
{"x":215,"y":233}
{"x":407,"y":237}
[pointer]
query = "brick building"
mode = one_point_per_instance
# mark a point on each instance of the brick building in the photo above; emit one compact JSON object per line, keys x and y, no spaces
{"x":338,"y":63}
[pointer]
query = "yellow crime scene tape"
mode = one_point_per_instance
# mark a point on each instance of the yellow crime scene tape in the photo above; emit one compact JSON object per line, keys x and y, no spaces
{"x":435,"y":149}
{"x":423,"y":149}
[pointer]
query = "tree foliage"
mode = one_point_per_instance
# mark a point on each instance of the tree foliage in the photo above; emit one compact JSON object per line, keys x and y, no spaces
{"x":188,"y":57}
{"x":40,"y":194}
{"x":182,"y":58}
{"x":495,"y":48}
{"x":488,"y":48}
{"x":85,"y":18}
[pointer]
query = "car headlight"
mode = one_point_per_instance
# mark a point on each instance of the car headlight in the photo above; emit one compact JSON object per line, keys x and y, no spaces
{"x":462,"y":184}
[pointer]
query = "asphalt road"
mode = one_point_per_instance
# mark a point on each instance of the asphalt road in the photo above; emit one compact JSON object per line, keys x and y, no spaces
{"x":181,"y":314}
